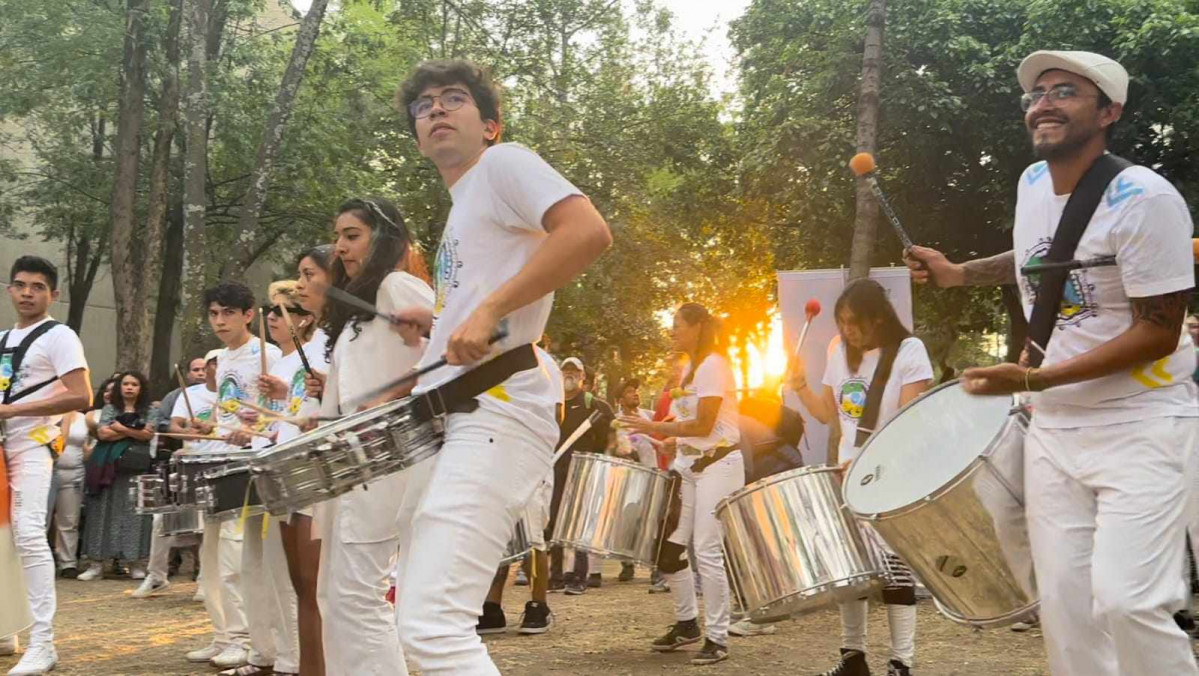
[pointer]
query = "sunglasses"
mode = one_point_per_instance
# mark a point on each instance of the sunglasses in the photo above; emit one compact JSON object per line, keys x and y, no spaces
{"x":276,"y":311}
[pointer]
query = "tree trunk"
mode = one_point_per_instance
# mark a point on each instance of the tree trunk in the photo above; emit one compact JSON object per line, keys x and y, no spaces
{"x":272,"y":140}
{"x":132,"y":351}
{"x":195,"y":167}
{"x":867,"y":212}
{"x":82,"y":265}
{"x":169,"y":295}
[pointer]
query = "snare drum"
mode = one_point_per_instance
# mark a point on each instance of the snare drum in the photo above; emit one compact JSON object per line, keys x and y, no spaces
{"x":229,"y":491}
{"x":612,"y":507}
{"x":793,"y":548}
{"x":149,"y":494}
{"x":943,"y":484}
{"x":188,"y":469}
{"x":333,"y":459}
{"x":183,"y":522}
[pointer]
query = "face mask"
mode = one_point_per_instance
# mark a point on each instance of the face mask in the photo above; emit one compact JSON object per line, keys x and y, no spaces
{"x":570,"y":382}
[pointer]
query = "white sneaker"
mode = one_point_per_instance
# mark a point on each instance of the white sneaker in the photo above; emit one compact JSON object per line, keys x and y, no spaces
{"x":198,"y":597}
{"x":231,"y":657}
{"x":204,"y":654}
{"x":39,"y":659}
{"x":149,"y":587}
{"x":94,"y":572}
{"x":9,"y":645}
{"x":137,"y":574}
{"x":747,"y":627}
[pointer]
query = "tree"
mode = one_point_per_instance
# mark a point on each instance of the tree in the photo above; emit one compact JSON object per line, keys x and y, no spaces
{"x":866,"y":211}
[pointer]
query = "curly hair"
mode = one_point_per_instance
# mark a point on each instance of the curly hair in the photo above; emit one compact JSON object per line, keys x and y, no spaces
{"x":443,"y":73}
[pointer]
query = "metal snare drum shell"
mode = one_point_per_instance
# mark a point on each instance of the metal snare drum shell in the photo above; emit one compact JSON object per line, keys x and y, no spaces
{"x":942,"y":483}
{"x":183,"y":522}
{"x":519,"y":546}
{"x":228,"y":492}
{"x":148,"y":494}
{"x":793,"y":548}
{"x":612,"y":507}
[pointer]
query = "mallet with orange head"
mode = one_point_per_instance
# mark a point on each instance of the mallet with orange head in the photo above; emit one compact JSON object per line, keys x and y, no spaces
{"x":862,"y":165}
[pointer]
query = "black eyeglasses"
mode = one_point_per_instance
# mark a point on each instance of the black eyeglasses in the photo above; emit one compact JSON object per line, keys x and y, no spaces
{"x":451,"y":99}
{"x":1062,"y":92}
{"x":291,"y":309}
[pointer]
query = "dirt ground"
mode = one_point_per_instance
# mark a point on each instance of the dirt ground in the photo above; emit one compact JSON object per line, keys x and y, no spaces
{"x":102,"y":630}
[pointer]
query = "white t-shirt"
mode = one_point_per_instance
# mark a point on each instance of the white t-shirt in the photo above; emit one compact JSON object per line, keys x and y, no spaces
{"x":1144,"y":223}
{"x":850,"y":389}
{"x":203,"y":401}
{"x":290,"y":369}
{"x":493,"y":229}
{"x":637,"y":443}
{"x":53,"y":355}
{"x":713,"y":378}
{"x":237,"y":372}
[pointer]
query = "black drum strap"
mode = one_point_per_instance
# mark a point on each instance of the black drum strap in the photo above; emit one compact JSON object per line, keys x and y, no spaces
{"x":458,"y":395}
{"x":874,"y":396}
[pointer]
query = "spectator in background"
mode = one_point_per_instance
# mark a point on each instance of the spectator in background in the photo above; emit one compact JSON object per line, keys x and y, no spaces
{"x":1192,"y":324}
{"x":640,"y":448}
{"x":578,"y":407}
{"x":66,"y":502}
{"x":113,"y":530}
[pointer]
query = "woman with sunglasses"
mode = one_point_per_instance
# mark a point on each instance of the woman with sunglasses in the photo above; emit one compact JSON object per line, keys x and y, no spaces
{"x":360,"y":530}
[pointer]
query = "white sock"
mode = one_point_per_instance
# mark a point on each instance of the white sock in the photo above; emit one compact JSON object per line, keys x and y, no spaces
{"x":902,"y":621}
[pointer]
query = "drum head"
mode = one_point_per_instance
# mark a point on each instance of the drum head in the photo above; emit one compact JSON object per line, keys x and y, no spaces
{"x":926,"y":445}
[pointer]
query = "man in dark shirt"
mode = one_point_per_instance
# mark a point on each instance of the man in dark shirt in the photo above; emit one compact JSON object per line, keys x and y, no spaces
{"x":579,"y":406}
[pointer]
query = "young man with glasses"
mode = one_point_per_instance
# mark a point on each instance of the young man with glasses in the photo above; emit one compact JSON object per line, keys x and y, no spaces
{"x":1109,"y":457}
{"x":517,"y":231}
{"x":43,"y":374}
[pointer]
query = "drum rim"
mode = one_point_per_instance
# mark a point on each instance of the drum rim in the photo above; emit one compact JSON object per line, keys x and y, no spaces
{"x":208,"y":458}
{"x":944,"y":488}
{"x":765,"y":482}
{"x":870,"y":582}
{"x":1005,"y":619}
{"x":611,"y":459}
{"x":336,"y":427}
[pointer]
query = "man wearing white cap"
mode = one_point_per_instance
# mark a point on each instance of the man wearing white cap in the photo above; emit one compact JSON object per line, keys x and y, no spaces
{"x":1110,"y":447}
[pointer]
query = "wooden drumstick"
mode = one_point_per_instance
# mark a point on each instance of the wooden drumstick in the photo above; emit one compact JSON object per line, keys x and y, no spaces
{"x":262,"y":337}
{"x":191,"y":414}
{"x":244,"y":430}
{"x":184,"y":435}
{"x":295,"y":338}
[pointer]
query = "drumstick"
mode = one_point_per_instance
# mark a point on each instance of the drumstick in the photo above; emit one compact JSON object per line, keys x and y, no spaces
{"x":295,"y":338}
{"x":287,"y":419}
{"x":191,"y":415}
{"x":262,"y":336}
{"x":575,"y":436}
{"x":261,"y":409}
{"x":184,"y":435}
{"x":343,"y":296}
{"x":496,"y":337}
{"x":862,"y":165}
{"x":244,"y":430}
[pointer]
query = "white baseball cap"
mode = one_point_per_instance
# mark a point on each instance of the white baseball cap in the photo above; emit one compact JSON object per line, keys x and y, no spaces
{"x":573,"y":361}
{"x":212,"y":354}
{"x":1109,"y":76}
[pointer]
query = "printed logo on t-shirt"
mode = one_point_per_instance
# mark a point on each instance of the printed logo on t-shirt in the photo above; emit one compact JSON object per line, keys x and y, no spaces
{"x":445,"y":272}
{"x":230,"y":391}
{"x":1078,"y":300}
{"x":1036,"y":171}
{"x":295,"y":396}
{"x":6,"y":379}
{"x":852,"y":398}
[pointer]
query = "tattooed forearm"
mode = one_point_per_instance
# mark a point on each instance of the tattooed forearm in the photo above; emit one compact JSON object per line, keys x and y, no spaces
{"x":994,"y":271}
{"x":1166,"y":311}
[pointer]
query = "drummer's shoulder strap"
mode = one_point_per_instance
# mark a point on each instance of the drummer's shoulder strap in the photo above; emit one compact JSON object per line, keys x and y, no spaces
{"x":874,"y":396}
{"x":1075,"y":218}
{"x":18,"y":355}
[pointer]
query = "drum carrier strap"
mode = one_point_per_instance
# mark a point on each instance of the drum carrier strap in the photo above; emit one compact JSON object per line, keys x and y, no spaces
{"x":874,"y":396}
{"x":1075,"y":218}
{"x":458,"y":395}
{"x":18,"y":356}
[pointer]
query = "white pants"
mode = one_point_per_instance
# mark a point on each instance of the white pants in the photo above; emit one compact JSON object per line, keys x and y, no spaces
{"x":220,"y":561}
{"x":270,"y":600}
{"x":479,"y":484}
{"x":1107,"y":512}
{"x":901,"y":620}
{"x":160,"y":549}
{"x":29,"y":474}
{"x":359,"y":536}
{"x":698,"y":526}
{"x":67,"y":504}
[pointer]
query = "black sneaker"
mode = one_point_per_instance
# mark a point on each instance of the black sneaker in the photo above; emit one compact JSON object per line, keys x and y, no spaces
{"x":680,"y":634}
{"x":576,"y":588}
{"x":537,"y":619}
{"x":853,"y":663}
{"x":897,"y":668}
{"x":492,"y":621}
{"x":626,"y":573}
{"x":70,"y":572}
{"x":711,"y":653}
{"x":556,"y":586}
{"x":595,"y":581}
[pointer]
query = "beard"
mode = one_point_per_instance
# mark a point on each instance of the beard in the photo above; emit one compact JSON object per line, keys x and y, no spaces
{"x":1075,"y":138}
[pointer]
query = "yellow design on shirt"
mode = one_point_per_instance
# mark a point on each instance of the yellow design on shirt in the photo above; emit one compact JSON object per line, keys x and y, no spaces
{"x":1158,"y":369}
{"x":499,"y":392}
{"x":41,"y":435}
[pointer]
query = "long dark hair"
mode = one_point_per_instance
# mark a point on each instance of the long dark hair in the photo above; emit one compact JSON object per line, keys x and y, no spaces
{"x":711,"y":336}
{"x":98,"y":401}
{"x":867,"y":300}
{"x":390,"y":243}
{"x":142,"y":405}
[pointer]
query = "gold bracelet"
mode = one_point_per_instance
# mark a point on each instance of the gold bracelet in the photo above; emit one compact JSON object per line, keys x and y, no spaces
{"x":1027,"y":379}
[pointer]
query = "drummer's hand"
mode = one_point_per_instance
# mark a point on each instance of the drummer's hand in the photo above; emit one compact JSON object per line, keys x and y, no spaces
{"x":471,"y":341}
{"x":272,"y":387}
{"x":412,"y":324}
{"x":202,"y":426}
{"x":669,"y":448}
{"x":928,"y":264}
{"x":6,"y":411}
{"x":637,"y":424}
{"x":797,"y":372}
{"x":248,"y":416}
{"x":998,"y":379}
{"x":308,"y":424}
{"x":314,"y":385}
{"x":238,"y":438}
